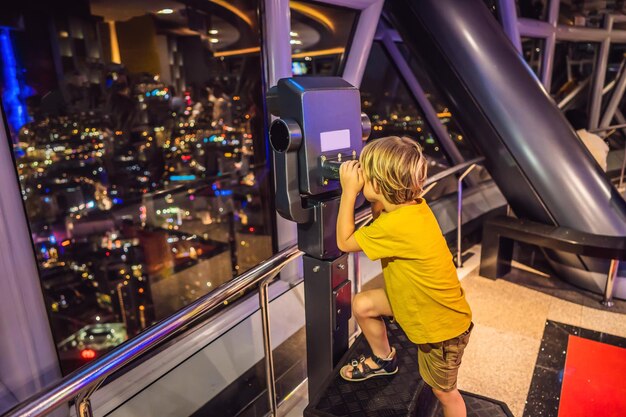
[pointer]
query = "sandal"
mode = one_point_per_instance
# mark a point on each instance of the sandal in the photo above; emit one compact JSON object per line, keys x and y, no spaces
{"x":386,"y":366}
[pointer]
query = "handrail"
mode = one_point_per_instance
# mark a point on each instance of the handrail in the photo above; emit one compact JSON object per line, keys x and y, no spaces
{"x":453,"y":170}
{"x":499,"y":232}
{"x":89,"y":378}
{"x":95,"y":372}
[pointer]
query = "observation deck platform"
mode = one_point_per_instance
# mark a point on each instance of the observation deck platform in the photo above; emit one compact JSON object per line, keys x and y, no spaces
{"x":403,"y":394}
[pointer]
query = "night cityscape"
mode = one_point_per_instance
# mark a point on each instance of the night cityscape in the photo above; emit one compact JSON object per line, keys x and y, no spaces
{"x":143,"y":166}
{"x":143,"y":179}
{"x":140,"y":188}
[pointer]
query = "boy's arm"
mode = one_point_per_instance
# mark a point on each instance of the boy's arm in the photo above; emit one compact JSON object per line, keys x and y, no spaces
{"x":346,"y":242}
{"x":351,"y":184}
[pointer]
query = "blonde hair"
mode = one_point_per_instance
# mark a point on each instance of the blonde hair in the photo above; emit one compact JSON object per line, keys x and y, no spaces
{"x":396,"y":166}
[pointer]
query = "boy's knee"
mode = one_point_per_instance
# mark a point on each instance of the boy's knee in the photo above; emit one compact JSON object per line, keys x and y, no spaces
{"x":445,"y":396}
{"x":361,"y":305}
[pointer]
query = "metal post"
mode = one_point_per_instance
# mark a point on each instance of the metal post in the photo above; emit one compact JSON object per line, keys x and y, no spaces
{"x":610,"y":282}
{"x":362,"y":42}
{"x":508,"y":18}
{"x":276,"y":46}
{"x":82,"y":402}
{"x":600,"y":76}
{"x":83,"y":408}
{"x":270,"y":378}
{"x":327,"y":299}
{"x":550,"y":46}
{"x":616,"y":98}
{"x":459,"y":206}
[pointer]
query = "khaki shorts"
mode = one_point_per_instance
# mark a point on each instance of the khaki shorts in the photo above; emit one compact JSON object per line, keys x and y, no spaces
{"x":439,"y":362}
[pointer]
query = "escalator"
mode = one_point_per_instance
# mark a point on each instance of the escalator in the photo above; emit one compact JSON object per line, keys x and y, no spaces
{"x":533,"y":154}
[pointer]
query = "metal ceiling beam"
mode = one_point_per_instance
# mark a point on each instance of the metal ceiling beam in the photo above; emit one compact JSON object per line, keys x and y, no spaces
{"x":507,"y":11}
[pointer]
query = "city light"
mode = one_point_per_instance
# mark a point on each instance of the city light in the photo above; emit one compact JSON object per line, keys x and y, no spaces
{"x":88,"y":354}
{"x":183,"y":177}
{"x":13,"y":92}
{"x":117,"y":201}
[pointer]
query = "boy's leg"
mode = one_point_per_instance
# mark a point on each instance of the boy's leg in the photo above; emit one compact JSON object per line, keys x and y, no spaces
{"x":452,"y":403}
{"x":439,"y":365}
{"x":368,"y":307}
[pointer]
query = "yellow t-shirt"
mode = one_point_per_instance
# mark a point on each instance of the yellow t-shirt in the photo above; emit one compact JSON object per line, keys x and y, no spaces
{"x":420,"y":278}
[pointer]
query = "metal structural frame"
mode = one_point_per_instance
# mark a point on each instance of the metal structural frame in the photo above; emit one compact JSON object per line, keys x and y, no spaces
{"x":551,"y":32}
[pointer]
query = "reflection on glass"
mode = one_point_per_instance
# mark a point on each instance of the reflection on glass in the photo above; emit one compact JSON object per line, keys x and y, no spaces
{"x":393,"y":111}
{"x":532,"y":49}
{"x":319,"y":37}
{"x":437,"y":99}
{"x":391,"y":108}
{"x":533,"y":9}
{"x":574,"y":63}
{"x":140,"y":149}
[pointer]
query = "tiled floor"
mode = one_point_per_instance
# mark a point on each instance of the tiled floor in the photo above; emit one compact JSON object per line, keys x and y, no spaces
{"x":509,"y":324}
{"x":579,"y":372}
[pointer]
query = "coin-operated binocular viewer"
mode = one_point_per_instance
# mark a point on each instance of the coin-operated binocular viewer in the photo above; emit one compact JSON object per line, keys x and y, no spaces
{"x":320,"y":127}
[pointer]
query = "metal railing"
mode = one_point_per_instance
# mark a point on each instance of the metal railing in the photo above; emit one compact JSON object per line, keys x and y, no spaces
{"x":80,"y":385}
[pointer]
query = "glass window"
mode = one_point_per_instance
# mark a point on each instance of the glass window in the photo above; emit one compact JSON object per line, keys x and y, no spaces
{"x":391,"y":107}
{"x":139,"y":142}
{"x":320,"y":37}
{"x":386,"y":99}
{"x":437,"y":99}
{"x":533,"y":9}
{"x":532,"y":49}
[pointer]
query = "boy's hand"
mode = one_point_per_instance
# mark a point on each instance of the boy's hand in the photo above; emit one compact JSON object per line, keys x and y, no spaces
{"x":351,"y":177}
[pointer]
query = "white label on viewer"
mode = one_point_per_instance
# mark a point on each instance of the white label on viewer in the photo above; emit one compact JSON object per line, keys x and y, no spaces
{"x":335,"y":140}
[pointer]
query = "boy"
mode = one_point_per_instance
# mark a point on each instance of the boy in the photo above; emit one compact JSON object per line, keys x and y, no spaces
{"x":422,"y":290}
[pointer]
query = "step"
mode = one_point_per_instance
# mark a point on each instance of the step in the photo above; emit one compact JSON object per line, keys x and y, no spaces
{"x":403,"y":394}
